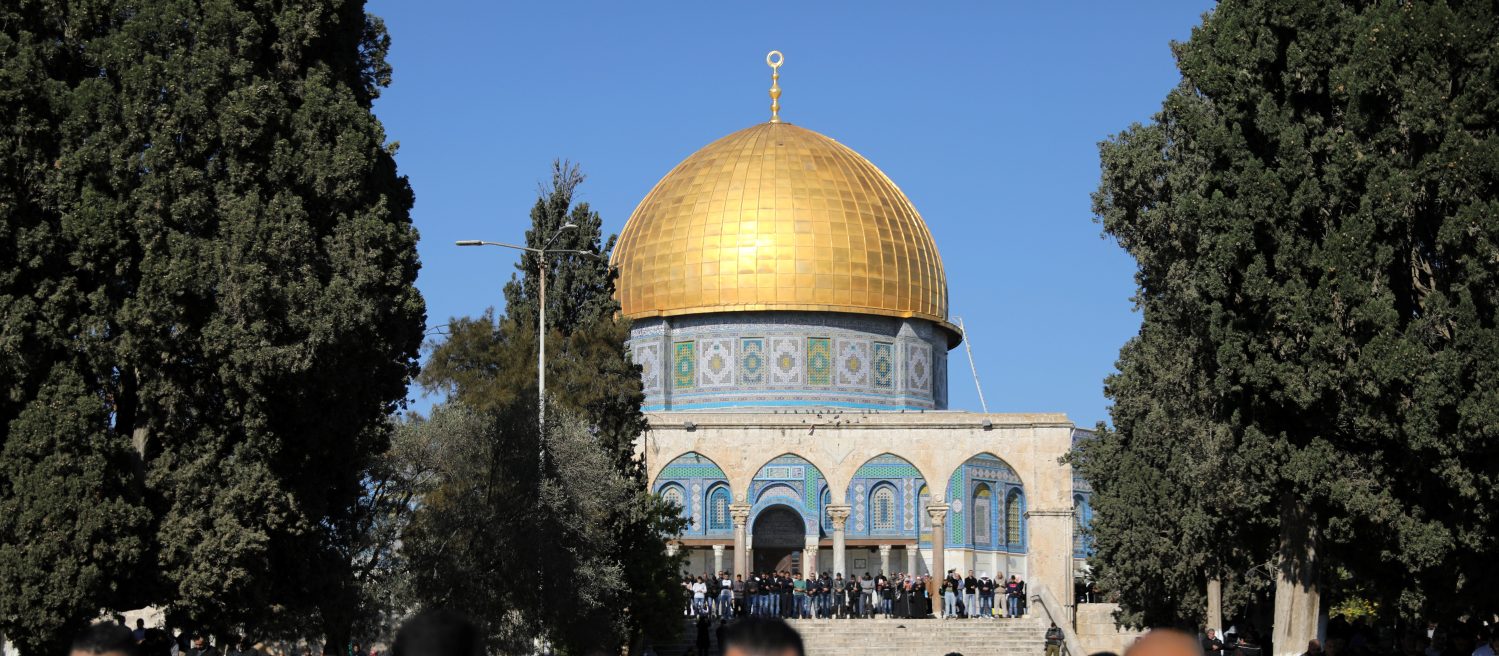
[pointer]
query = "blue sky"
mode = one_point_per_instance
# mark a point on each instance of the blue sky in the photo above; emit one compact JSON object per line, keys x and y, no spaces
{"x":987,"y":114}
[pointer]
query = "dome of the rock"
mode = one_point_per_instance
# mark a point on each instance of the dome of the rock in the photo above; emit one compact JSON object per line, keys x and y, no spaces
{"x":778,"y":217}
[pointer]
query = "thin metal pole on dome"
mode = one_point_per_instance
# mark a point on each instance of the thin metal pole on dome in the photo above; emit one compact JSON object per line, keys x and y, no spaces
{"x":968,"y":346}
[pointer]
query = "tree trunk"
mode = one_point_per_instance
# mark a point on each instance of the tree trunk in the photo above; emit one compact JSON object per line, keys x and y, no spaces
{"x":1297,"y":595}
{"x":1215,"y":606}
{"x":338,"y":629}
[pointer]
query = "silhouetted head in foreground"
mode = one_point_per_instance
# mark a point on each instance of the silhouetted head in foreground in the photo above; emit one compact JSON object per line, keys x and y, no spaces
{"x":438,"y":633}
{"x":1165,"y":642}
{"x":104,"y":639}
{"x":760,"y":636}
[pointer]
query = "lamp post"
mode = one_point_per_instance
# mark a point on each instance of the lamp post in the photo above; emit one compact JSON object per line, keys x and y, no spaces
{"x":541,"y":328}
{"x":541,"y":357}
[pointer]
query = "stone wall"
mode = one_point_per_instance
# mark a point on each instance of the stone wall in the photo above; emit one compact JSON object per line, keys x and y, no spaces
{"x":1097,"y":632}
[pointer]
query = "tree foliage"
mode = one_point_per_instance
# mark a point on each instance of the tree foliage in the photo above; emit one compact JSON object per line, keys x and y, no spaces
{"x":1315,"y":217}
{"x":208,"y":264}
{"x":567,"y":546}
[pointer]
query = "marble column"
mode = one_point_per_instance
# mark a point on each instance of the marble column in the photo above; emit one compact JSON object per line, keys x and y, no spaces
{"x":839,"y":515}
{"x":740,"y":514}
{"x":885,"y":560}
{"x":749,"y":551}
{"x":717,"y":559}
{"x":911,"y":565}
{"x":938,"y":511}
{"x":809,"y":555}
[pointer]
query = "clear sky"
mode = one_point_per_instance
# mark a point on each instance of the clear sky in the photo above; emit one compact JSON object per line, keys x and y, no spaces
{"x":987,"y":115}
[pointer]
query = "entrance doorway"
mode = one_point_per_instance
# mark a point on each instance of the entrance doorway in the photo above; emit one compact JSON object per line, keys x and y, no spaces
{"x":779,"y":539}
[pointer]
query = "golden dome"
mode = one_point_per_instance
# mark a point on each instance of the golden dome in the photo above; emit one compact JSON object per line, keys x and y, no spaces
{"x":777,"y":217}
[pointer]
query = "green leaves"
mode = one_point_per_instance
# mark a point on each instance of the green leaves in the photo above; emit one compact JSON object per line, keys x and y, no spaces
{"x":1312,"y":216}
{"x":212,"y":240}
{"x":565,"y":545}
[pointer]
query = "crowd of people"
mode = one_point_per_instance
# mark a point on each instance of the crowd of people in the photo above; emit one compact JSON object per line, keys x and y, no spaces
{"x":826,"y":596}
{"x":188,"y":642}
{"x":1344,"y":638}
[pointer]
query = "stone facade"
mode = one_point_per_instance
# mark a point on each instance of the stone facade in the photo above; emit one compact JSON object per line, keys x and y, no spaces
{"x":816,"y":459}
{"x":790,"y":360}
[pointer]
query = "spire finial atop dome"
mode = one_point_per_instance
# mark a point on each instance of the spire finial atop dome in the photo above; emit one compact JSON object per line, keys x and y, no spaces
{"x":774,"y":58}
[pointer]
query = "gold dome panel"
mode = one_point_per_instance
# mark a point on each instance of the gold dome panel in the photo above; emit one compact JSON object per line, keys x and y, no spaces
{"x":777,"y":217}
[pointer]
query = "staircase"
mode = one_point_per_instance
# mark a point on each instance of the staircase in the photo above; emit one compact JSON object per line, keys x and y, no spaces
{"x":1025,"y":636}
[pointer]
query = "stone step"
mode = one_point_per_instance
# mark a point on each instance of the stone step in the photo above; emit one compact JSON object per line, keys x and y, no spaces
{"x":898,"y":637}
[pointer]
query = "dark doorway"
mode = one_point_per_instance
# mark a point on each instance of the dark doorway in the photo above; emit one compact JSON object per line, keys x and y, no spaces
{"x":780,"y":537}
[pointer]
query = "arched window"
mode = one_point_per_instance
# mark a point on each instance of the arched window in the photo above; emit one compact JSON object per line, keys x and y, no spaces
{"x":827,"y":518}
{"x":882,"y":508}
{"x":983,"y":504}
{"x":1012,"y":519}
{"x":924,"y":497}
{"x":718,"y":509}
{"x":673,"y":494}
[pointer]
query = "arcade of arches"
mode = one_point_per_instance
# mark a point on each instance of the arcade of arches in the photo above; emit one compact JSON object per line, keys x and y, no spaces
{"x":849,"y":492}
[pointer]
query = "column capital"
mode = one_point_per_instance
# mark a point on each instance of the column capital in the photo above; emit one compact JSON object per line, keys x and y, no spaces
{"x":938,"y":513}
{"x":718,"y":548}
{"x":885,"y":549}
{"x":839,"y":515}
{"x":740,"y":513}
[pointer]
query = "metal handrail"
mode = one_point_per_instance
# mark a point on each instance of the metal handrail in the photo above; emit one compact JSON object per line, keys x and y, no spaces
{"x":1056,"y":613}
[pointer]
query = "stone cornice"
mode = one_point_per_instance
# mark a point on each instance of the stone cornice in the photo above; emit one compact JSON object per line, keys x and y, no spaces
{"x":836,"y":419}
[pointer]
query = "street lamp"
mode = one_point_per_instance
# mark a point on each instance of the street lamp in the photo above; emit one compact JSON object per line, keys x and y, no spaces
{"x":541,"y":329}
{"x":541,"y":350}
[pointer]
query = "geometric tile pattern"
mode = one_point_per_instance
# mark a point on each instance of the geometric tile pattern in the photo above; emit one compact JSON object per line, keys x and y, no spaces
{"x":716,"y":362}
{"x":887,"y":466}
{"x":853,"y":363}
{"x":752,"y":361}
{"x":919,"y":363}
{"x":819,"y":361}
{"x":859,"y":515}
{"x":785,"y":361}
{"x":883,"y":364}
{"x":684,"y":365}
{"x":648,"y":356}
{"x":910,"y":505}
{"x":691,"y":466}
{"x":788,"y":359}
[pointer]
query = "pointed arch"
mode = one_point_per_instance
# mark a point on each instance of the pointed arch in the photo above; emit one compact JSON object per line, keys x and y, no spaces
{"x":882,"y":509}
{"x":695,"y":477}
{"x":827,"y":518}
{"x":977,"y":493}
{"x":1015,"y":520}
{"x":790,"y":480}
{"x":719,"y":499}
{"x":904,"y":481}
{"x":981,"y":515}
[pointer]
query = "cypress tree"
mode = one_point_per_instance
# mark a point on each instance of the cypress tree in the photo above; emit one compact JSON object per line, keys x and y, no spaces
{"x":213,"y":244}
{"x":1313,"y":214}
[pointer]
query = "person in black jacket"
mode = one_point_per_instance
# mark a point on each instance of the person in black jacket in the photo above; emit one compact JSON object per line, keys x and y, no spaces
{"x":970,"y":595}
{"x":986,"y":596}
{"x":1211,"y":645}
